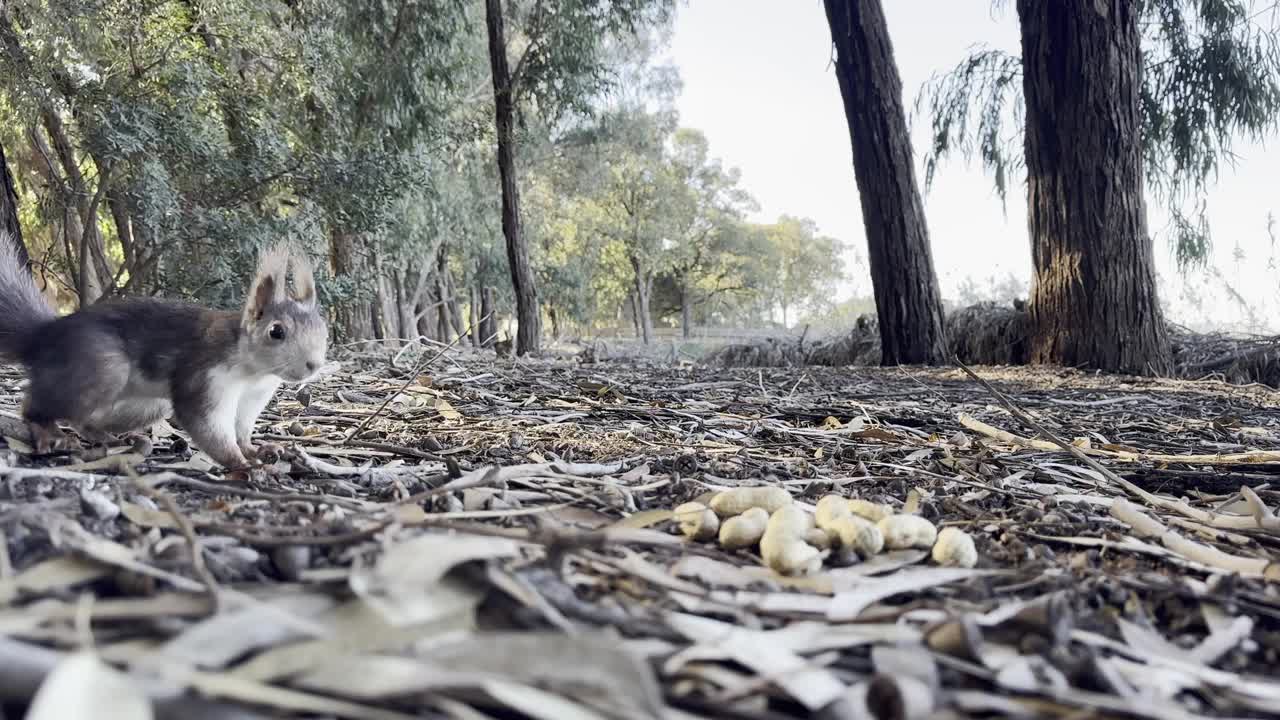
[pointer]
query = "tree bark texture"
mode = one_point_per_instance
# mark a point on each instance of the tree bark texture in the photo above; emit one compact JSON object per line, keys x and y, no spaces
{"x":633,"y":309}
{"x":528,"y":315}
{"x":908,"y":301}
{"x":1094,"y":301}
{"x":354,"y":319}
{"x":9,"y":225}
{"x":643,"y":284}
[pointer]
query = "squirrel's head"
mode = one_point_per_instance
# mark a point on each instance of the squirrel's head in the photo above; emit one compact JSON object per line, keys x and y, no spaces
{"x":285,"y":333}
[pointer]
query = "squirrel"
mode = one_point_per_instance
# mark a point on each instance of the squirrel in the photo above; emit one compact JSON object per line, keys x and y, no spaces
{"x":120,"y":365}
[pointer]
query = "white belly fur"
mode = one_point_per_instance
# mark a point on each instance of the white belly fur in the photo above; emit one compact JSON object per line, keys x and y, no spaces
{"x":238,"y":398}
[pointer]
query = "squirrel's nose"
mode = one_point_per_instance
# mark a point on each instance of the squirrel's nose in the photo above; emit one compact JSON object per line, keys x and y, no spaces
{"x":311,"y":366}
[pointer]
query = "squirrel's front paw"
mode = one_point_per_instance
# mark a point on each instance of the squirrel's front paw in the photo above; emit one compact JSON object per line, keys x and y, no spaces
{"x":48,"y":438}
{"x":267,"y":452}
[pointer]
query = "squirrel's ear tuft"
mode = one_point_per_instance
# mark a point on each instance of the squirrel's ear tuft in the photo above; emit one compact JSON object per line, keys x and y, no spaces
{"x":268,"y":283}
{"x":304,"y":281}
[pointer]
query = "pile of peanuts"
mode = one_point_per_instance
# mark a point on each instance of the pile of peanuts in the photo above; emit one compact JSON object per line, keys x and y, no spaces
{"x":793,"y":542}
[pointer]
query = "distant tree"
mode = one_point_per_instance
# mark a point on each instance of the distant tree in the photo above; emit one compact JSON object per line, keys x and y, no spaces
{"x":707,"y":207}
{"x":908,"y":301}
{"x":806,"y":265}
{"x":560,"y":69}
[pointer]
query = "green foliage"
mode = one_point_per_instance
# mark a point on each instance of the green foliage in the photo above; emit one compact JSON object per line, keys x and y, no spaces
{"x":364,"y":132}
{"x":571,"y":52}
{"x":807,"y":265}
{"x":1211,"y":74}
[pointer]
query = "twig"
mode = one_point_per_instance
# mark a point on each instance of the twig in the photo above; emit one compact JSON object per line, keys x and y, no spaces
{"x":226,"y":489}
{"x":413,"y":376}
{"x":188,"y":532}
{"x":1145,"y":526}
{"x":1075,"y":451}
{"x":1261,"y":518}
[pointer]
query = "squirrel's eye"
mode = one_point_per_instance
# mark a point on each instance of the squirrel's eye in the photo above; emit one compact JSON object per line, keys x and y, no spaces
{"x":276,"y":332}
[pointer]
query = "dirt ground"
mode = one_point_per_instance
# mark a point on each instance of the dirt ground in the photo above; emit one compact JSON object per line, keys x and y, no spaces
{"x":449,"y":534}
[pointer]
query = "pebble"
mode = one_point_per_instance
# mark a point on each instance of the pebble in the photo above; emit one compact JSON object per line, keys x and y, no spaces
{"x":297,"y":429}
{"x":99,"y":505}
{"x":291,"y":561}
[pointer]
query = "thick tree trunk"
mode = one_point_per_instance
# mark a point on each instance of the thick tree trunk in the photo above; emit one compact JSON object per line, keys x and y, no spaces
{"x":425,"y":325}
{"x":1094,"y":302}
{"x":908,"y":301}
{"x":528,"y":334}
{"x":9,"y":225}
{"x":354,"y":321}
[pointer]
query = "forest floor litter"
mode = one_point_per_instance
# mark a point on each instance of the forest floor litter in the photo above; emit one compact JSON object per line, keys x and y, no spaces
{"x":450,"y":534}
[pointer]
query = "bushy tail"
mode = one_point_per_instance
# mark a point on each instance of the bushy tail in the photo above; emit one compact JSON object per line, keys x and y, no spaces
{"x":23,"y":308}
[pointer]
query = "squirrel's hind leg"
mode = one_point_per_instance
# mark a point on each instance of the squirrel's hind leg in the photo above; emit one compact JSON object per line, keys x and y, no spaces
{"x":73,"y":393}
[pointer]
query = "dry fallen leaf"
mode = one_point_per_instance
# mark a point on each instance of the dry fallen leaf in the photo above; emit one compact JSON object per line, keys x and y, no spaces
{"x":82,"y":687}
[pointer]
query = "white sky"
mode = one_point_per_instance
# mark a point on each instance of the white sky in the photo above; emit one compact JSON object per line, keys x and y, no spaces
{"x":758,"y":82}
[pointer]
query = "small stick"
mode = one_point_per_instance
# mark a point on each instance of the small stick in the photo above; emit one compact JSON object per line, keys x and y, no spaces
{"x":188,"y":532}
{"x":1075,"y":451}
{"x":413,"y":376}
{"x":1262,"y":518}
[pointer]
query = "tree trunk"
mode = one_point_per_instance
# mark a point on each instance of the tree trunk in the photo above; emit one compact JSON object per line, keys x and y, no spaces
{"x":908,"y":301}
{"x":488,"y":317}
{"x":354,"y":320}
{"x":447,"y":329}
{"x":1094,"y":302}
{"x":643,"y":317}
{"x":474,"y":304}
{"x":555,"y":322}
{"x":71,"y":230}
{"x":633,"y":309}
{"x":118,"y":205}
{"x":455,"y":303}
{"x":385,"y":326}
{"x":686,"y":310}
{"x":404,"y":305}
{"x":9,"y":226}
{"x":426,"y":310}
{"x":528,"y":333}
{"x":94,"y":273}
